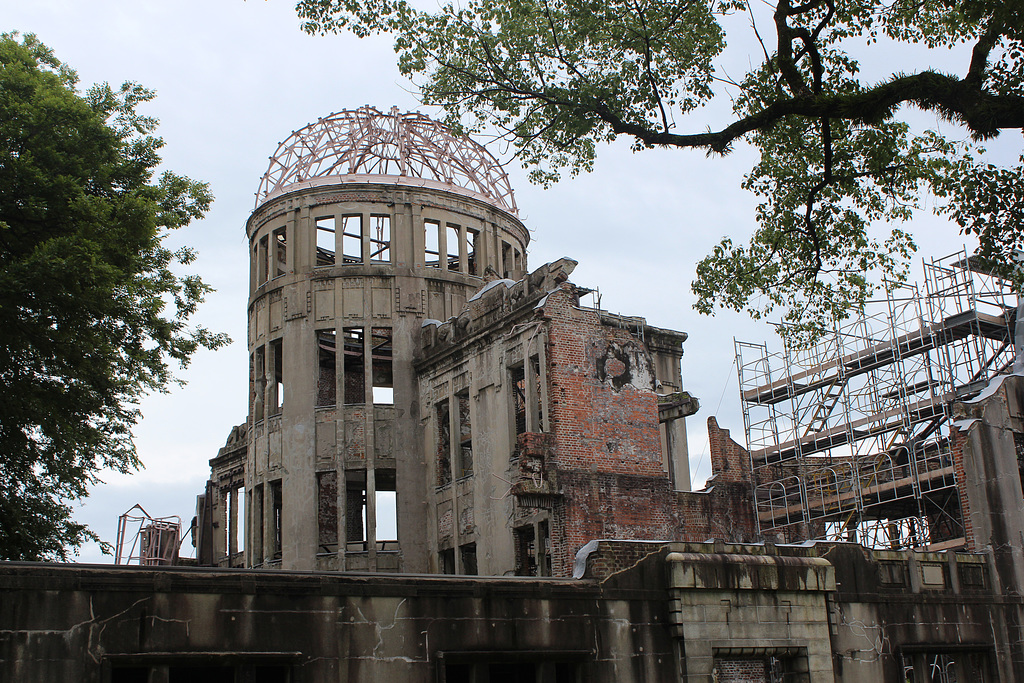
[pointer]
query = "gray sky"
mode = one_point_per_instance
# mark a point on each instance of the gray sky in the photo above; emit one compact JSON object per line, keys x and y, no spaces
{"x":235,"y":78}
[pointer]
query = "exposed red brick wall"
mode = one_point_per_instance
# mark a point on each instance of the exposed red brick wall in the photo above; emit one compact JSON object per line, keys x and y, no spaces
{"x":741,"y":670}
{"x":608,"y":448}
{"x":608,"y":453}
{"x":729,"y":460}
{"x":597,"y":428}
{"x":958,"y":439}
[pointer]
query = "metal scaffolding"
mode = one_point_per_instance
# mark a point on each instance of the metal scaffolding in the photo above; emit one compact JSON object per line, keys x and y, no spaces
{"x":849,"y":440}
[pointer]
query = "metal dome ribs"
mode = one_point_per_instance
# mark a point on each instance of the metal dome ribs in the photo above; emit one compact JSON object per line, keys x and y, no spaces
{"x":366,"y":141}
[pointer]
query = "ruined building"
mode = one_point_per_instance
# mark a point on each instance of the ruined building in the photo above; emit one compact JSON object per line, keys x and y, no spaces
{"x":454,"y":471}
{"x":420,"y":400}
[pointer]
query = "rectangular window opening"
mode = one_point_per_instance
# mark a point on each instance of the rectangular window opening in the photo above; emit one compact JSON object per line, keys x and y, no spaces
{"x":261,"y":260}
{"x":537,"y":407}
{"x":327,"y":511}
{"x":431,"y":242}
{"x":280,"y":266}
{"x":326,"y":243}
{"x":517,"y":378}
{"x":446,"y":560}
{"x":471,"y":240}
{"x":355,"y":510}
{"x":352,"y":239}
{"x":465,"y":435}
{"x":526,"y":550}
{"x":506,"y":260}
{"x":453,"y":234}
{"x":257,"y":519}
{"x":544,"y":547}
{"x":444,"y":444}
{"x":380,"y":238}
{"x":382,"y":379}
{"x":327,"y":354}
{"x":468,"y":556}
{"x":355,"y":366}
{"x":275,"y":501}
{"x":259,"y":382}
{"x":386,"y":499}
{"x":234,"y":503}
{"x":277,"y":389}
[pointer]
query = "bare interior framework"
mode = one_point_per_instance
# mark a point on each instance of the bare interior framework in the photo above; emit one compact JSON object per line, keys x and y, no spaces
{"x":849,"y":440}
{"x":366,"y":141}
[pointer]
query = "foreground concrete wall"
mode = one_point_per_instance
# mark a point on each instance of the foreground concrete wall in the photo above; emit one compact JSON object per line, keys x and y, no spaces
{"x":825,"y":611}
{"x":76,"y":623}
{"x":642,"y":611}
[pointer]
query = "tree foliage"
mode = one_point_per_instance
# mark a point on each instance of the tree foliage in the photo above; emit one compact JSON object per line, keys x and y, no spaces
{"x":91,"y":310}
{"x":837,"y":153}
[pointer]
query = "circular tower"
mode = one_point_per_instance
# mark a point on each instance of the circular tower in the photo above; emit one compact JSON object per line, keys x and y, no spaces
{"x":366,"y":224}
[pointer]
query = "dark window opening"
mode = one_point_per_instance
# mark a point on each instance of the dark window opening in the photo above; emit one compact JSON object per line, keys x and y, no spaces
{"x":509,"y":667}
{"x":129,"y":674}
{"x":276,"y":503}
{"x":355,"y":367}
{"x":431,"y":244}
{"x":382,"y":377}
{"x":453,"y":234}
{"x":471,"y":242}
{"x":327,"y":511}
{"x":355,"y":510}
{"x":506,"y":260}
{"x":444,"y":444}
{"x":261,"y":260}
{"x":465,"y":435}
{"x":544,"y":548}
{"x":259,"y":382}
{"x":257,"y":518}
{"x":200,"y":674}
{"x":517,"y":378}
{"x":447,"y":561}
{"x":325,"y":241}
{"x":468,"y":556}
{"x":526,"y":550}
{"x":280,"y":252}
{"x":327,"y":355}
{"x":380,"y":238}
{"x":277,"y":389}
{"x":351,"y":239}
{"x":536,"y":406}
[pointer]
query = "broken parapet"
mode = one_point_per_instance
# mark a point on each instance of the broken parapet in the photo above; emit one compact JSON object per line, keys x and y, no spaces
{"x":497,"y":299}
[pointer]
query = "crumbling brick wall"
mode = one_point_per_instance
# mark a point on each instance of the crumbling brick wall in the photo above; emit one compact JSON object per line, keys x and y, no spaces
{"x":725,"y":508}
{"x":604,"y":415}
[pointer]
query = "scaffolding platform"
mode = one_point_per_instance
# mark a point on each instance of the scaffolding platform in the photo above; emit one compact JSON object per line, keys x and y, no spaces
{"x":849,"y":439}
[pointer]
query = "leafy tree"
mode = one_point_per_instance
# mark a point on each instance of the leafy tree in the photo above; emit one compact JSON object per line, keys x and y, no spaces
{"x":837,"y":151}
{"x":85,"y":287}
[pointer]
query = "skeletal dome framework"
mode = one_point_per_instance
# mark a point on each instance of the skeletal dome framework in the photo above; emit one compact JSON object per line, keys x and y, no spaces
{"x":367,"y":142}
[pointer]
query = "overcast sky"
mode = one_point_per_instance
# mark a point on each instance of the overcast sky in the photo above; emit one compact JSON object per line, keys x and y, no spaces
{"x":234,"y":78}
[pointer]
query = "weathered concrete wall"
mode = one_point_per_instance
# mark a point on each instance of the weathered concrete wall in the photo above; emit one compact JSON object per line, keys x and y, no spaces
{"x":825,"y":611}
{"x":906,"y":608}
{"x":71,"y":623}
